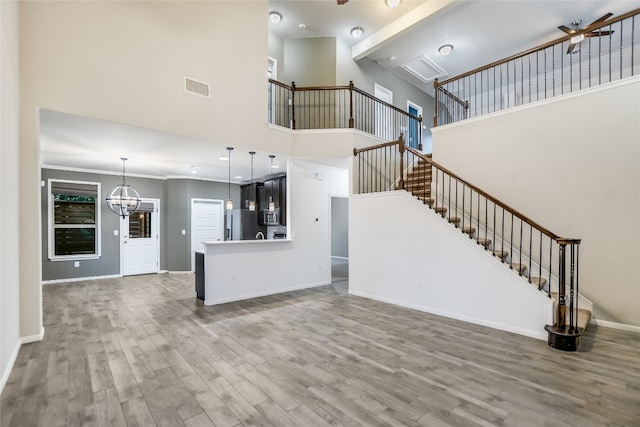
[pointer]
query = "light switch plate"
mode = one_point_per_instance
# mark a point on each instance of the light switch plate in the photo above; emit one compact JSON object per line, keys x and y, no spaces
{"x":184,"y":232}
{"x":115,"y":232}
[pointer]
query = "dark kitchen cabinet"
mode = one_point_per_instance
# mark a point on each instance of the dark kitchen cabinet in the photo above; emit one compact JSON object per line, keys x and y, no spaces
{"x":282,"y":190}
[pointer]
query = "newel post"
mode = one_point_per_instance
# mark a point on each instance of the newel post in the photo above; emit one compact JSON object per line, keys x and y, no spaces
{"x":351,"y":121}
{"x":420,"y":132}
{"x":562,"y":279}
{"x":293,"y":105}
{"x":435,"y":107}
{"x":401,"y":149}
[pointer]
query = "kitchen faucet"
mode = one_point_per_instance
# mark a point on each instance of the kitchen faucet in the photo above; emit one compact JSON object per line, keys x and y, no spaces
{"x":260,"y":235}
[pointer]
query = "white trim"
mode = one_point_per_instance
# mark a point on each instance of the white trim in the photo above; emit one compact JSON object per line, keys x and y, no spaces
{"x":340,"y":257}
{"x":615,"y":325}
{"x":508,"y":328}
{"x":99,"y":171}
{"x":51,"y":226}
{"x":12,"y":360}
{"x":80,"y":279}
{"x":14,"y":355}
{"x":33,"y":338}
{"x":178,"y":272}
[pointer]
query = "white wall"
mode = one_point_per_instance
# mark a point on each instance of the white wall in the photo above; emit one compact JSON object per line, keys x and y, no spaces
{"x":9,"y":211}
{"x":572,"y":164}
{"x":403,"y":253}
{"x":252,"y":268}
{"x":74,"y":59}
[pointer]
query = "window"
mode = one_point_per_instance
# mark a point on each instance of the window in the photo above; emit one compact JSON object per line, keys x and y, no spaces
{"x":74,"y":220}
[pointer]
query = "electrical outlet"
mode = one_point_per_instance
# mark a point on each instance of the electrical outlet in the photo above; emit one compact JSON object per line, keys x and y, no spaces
{"x":116,"y":232}
{"x":76,"y":264}
{"x":184,"y":232}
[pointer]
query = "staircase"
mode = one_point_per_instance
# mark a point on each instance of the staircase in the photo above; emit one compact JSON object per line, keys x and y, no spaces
{"x":570,"y":320}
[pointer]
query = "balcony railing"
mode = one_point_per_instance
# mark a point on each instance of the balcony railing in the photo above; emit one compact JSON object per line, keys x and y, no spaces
{"x":543,"y":72}
{"x":338,"y":107}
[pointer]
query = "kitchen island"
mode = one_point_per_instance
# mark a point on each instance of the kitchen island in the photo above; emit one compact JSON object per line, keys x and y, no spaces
{"x":242,"y":269}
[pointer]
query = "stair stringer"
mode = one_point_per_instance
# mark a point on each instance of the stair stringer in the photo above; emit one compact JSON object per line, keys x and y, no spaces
{"x":405,"y":254}
{"x":514,"y":255}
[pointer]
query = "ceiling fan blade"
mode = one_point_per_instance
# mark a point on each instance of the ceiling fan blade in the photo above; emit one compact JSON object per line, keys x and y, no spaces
{"x":571,"y":47}
{"x":598,"y":33}
{"x":566,"y":29}
{"x":602,"y":18}
{"x":342,"y":1}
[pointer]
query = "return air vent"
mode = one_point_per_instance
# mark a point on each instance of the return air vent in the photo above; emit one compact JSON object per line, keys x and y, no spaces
{"x":424,"y":69}
{"x":197,"y":88}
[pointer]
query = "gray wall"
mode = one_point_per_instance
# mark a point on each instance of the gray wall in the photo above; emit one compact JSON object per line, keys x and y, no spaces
{"x":175,"y":205}
{"x":310,"y":62}
{"x":340,"y":227}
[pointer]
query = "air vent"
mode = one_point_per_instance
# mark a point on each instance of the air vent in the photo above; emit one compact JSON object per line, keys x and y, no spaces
{"x":424,"y":69}
{"x":195,"y":87}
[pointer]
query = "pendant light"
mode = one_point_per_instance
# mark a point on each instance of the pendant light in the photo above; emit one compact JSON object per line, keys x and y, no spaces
{"x":252,"y":203}
{"x":229,"y":201}
{"x":123,"y":200}
{"x":272,"y":206}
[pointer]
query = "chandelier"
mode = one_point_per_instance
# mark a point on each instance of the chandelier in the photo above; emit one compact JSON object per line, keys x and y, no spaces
{"x":123,"y":200}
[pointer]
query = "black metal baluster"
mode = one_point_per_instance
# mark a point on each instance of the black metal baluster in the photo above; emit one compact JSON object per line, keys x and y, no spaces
{"x":530,"y":249}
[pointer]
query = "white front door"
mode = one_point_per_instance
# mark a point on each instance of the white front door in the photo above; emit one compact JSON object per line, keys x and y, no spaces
{"x":207,"y":224}
{"x":140,"y":239}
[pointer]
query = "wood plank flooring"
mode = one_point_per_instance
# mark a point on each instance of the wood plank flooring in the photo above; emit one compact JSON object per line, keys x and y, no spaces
{"x":141,"y":351}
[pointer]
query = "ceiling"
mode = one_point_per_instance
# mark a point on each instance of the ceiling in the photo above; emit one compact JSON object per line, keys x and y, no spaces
{"x":481,"y":32}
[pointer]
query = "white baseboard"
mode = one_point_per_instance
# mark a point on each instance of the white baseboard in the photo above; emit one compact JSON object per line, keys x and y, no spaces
{"x":14,"y":355}
{"x":482,"y":322}
{"x":80,"y":279}
{"x":340,"y":257}
{"x":9,"y":368}
{"x":615,"y":325}
{"x":33,"y":338}
{"x":181,"y":272}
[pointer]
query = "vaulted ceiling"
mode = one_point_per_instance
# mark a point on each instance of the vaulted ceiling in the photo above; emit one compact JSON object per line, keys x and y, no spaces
{"x":404,"y":40}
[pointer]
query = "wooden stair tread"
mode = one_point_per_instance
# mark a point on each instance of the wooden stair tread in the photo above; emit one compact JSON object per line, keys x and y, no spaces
{"x":454,"y":219}
{"x":501,"y":254}
{"x":538,"y":281}
{"x":440,"y":209}
{"x":584,"y":315}
{"x":484,"y":242}
{"x":520,"y":268}
{"x":469,"y":230}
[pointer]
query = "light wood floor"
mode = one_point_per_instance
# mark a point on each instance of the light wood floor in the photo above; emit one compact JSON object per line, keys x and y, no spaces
{"x":141,"y":351}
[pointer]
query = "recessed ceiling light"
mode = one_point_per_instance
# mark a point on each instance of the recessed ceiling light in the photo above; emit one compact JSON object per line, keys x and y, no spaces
{"x":224,"y":159}
{"x":357,"y":32}
{"x":193,"y":171}
{"x":275,"y":166}
{"x":302,"y":26}
{"x":393,"y":3}
{"x":275,"y":17}
{"x":238,"y":177}
{"x":445,"y":50}
{"x":393,"y":58}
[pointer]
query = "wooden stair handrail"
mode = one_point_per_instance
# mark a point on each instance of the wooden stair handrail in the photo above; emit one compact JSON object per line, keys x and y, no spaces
{"x":508,"y":208}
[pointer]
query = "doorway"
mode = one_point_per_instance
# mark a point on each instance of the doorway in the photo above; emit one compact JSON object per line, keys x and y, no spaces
{"x":140,"y":239}
{"x":413,"y":137}
{"x":207,"y":224}
{"x":339,"y":239}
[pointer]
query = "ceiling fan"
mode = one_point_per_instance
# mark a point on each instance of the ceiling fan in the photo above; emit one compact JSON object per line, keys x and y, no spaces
{"x":579,"y":34}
